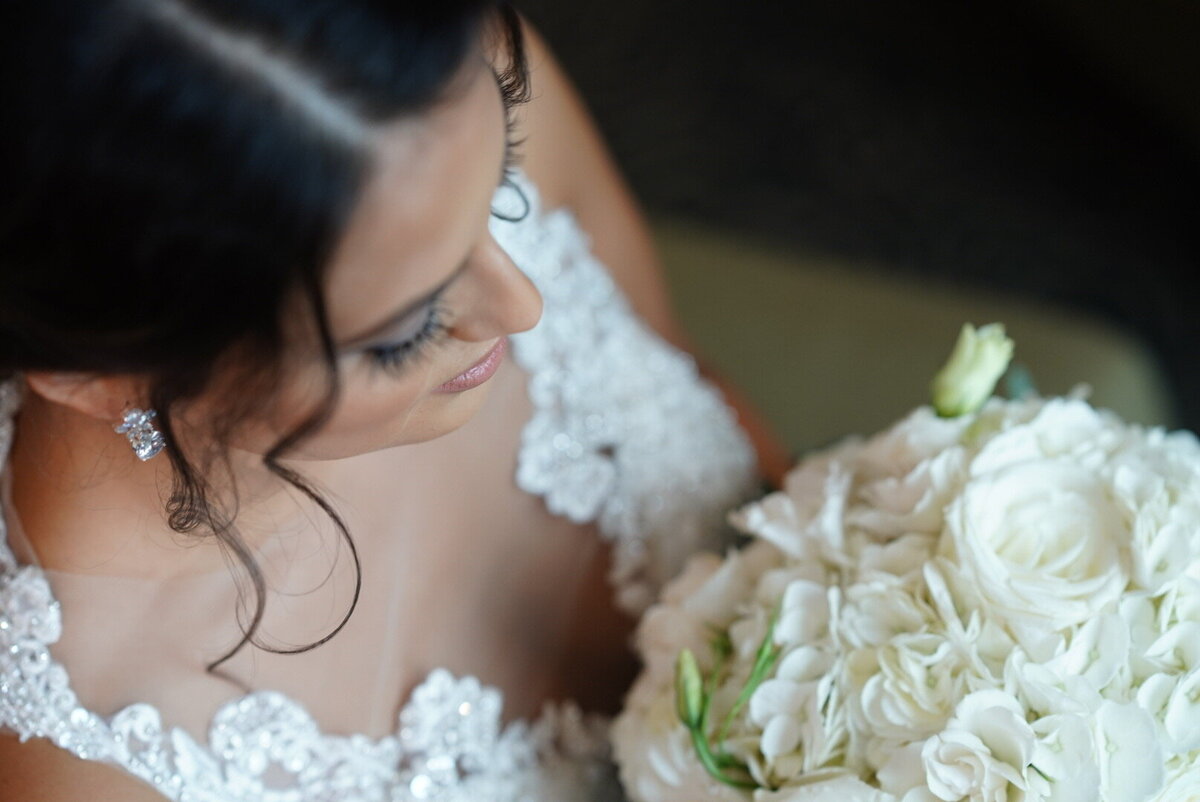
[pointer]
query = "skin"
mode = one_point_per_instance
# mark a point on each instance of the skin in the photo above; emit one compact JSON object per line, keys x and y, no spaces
{"x":425,"y":213}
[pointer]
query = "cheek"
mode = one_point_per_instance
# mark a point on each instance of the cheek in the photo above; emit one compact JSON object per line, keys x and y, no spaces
{"x":378,"y":411}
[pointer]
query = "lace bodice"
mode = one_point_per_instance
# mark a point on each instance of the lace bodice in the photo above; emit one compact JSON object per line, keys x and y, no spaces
{"x":624,"y":433}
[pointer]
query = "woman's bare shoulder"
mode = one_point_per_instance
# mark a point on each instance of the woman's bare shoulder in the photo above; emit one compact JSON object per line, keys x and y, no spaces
{"x":561,"y":148}
{"x":38,"y":771}
{"x":545,"y":121}
{"x":567,"y":158}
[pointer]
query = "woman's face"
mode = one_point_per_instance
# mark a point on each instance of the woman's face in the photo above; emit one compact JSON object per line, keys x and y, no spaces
{"x":418,"y":291}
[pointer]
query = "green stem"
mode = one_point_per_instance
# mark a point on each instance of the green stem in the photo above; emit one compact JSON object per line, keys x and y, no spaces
{"x":718,"y":764}
{"x":764,"y":660}
{"x":714,"y":767}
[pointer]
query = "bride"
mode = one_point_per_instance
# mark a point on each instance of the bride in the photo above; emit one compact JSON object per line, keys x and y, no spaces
{"x":339,"y":451}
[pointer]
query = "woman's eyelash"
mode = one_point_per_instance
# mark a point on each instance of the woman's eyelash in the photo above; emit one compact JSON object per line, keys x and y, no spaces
{"x":512,"y":145}
{"x":514,"y":91}
{"x":396,"y":356}
{"x":512,"y":157}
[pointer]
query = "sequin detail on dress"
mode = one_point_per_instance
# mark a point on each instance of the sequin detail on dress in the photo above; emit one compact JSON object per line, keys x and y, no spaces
{"x":624,"y":433}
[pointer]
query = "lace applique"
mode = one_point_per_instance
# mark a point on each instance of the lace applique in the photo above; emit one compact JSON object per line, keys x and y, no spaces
{"x":625,"y":432}
{"x":264,"y":747}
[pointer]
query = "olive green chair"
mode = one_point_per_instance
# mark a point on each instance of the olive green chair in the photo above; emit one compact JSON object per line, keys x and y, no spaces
{"x":827,"y":348}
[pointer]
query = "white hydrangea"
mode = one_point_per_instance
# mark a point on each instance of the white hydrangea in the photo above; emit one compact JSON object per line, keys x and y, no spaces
{"x":1000,"y":606}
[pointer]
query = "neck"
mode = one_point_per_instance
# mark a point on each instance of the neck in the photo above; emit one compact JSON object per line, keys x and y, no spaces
{"x":88,"y":505}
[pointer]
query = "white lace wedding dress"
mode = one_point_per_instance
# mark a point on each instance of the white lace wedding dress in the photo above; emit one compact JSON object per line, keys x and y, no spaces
{"x":624,"y":434}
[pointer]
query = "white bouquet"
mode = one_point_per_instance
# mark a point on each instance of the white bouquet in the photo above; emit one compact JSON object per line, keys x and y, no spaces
{"x":996,"y":601}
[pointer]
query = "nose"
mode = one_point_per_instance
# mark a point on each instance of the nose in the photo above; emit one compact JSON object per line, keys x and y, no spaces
{"x":500,"y":297}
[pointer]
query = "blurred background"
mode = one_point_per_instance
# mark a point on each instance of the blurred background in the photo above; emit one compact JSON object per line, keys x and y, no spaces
{"x":837,"y":185}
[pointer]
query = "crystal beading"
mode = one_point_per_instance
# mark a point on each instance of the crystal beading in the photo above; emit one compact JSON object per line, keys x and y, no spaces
{"x":624,"y":433}
{"x":145,"y":439}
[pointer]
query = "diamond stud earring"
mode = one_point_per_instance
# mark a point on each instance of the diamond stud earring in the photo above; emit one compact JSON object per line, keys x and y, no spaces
{"x":145,"y":439}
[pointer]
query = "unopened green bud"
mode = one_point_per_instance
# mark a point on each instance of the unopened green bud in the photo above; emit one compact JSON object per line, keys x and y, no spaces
{"x":689,"y":689}
{"x":969,"y":377}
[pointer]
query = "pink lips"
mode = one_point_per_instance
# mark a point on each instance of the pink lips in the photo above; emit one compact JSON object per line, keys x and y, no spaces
{"x":478,"y":373}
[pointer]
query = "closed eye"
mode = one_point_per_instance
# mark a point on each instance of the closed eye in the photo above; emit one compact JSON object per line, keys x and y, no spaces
{"x":396,"y":356}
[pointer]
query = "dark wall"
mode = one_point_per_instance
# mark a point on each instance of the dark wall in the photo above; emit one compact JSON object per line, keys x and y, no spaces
{"x":1003,"y":145}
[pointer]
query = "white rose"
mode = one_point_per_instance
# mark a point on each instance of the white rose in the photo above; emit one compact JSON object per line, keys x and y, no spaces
{"x":1061,"y":428}
{"x":959,"y":766}
{"x":998,"y":607}
{"x":1040,"y":542}
{"x":984,"y":752}
{"x":919,"y":679}
{"x":879,"y":608}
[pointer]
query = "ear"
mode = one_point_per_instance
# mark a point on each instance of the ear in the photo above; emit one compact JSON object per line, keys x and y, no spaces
{"x":97,"y":396}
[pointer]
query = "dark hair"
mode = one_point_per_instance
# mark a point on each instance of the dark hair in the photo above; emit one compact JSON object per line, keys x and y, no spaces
{"x":174,"y":171}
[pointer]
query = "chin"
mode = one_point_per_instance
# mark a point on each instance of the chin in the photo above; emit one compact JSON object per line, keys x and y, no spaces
{"x":440,"y":415}
{"x":452,"y":412}
{"x":457,"y":410}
